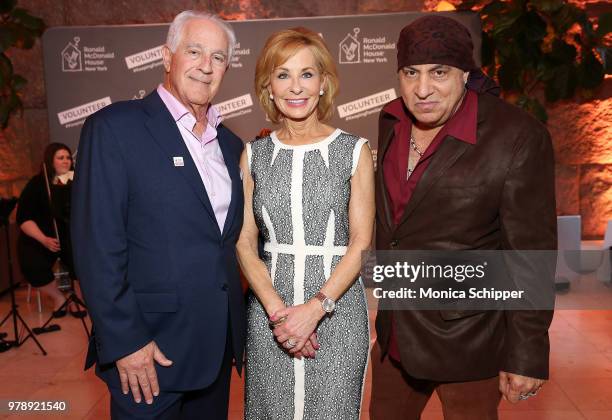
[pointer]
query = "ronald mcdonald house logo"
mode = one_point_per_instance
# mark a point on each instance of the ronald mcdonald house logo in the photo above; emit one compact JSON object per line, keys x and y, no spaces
{"x":77,"y":58}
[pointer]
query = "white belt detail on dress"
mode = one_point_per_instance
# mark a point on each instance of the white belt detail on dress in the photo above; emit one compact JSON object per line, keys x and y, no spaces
{"x":305,"y":250}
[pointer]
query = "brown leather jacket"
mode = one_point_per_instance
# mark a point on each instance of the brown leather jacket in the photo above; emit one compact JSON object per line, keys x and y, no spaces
{"x":496,"y":194}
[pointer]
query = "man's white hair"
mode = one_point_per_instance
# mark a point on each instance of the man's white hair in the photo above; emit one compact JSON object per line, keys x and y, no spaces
{"x":175,"y":32}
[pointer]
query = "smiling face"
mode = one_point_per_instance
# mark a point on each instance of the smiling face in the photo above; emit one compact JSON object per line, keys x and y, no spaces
{"x":432,"y":92}
{"x":62,"y":161}
{"x":195,"y":70}
{"x":295,"y":85}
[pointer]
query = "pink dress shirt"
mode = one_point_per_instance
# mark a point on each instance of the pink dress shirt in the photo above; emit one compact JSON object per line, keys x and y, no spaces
{"x":205,"y":152}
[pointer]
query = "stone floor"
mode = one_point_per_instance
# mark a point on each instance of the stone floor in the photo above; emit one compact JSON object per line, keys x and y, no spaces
{"x":580,"y":386}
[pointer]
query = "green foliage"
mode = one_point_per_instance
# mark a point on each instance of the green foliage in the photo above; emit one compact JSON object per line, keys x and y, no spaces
{"x":18,"y":29}
{"x":543,"y":45}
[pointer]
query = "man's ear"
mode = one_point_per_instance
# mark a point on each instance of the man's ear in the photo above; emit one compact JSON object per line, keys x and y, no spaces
{"x":166,"y":58}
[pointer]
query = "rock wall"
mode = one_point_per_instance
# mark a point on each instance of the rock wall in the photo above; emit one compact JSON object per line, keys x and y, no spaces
{"x":582,"y":136}
{"x":581,"y":132}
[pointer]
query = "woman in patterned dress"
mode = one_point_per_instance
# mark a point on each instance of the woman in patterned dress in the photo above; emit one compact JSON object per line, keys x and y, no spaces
{"x":309,"y":193}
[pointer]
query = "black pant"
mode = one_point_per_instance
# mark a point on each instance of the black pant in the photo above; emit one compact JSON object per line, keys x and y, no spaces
{"x":210,"y":403}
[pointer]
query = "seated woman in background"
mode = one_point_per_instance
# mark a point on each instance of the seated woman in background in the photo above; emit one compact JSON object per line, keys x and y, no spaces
{"x":37,"y":247}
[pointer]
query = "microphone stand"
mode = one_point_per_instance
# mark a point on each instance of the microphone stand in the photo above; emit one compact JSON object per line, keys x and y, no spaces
{"x":14,"y":311}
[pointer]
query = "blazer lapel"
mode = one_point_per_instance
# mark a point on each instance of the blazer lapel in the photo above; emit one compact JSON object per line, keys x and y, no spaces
{"x":450,"y":150}
{"x":164,"y":131}
{"x":383,"y":146}
{"x":234,"y":172}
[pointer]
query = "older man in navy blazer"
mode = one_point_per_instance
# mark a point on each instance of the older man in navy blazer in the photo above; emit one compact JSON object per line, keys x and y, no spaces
{"x":157,"y":209}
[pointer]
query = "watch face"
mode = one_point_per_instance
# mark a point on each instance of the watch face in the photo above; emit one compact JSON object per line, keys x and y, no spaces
{"x":329,"y":305}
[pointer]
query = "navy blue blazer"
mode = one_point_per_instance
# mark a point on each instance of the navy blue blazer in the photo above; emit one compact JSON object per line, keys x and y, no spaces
{"x":152,"y":261}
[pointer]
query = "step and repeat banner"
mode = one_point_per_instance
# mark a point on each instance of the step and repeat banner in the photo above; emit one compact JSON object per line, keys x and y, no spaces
{"x":88,"y":68}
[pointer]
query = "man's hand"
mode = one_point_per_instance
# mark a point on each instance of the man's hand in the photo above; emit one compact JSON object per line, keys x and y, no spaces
{"x":517,"y":387}
{"x":137,"y":371}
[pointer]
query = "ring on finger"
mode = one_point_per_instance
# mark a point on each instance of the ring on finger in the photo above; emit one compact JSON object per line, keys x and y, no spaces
{"x":290,"y":343}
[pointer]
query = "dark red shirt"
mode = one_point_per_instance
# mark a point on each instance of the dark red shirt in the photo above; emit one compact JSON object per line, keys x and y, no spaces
{"x":462,"y":126}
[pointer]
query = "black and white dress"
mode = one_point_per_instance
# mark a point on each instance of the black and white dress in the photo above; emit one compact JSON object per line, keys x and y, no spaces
{"x":300,"y":202}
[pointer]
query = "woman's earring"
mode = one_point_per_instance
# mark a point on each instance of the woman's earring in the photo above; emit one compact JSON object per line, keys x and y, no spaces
{"x":321,"y":92}
{"x":271,"y":97}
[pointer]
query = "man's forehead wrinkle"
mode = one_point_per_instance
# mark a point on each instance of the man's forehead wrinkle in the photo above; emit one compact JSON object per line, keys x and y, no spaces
{"x":203,"y":47}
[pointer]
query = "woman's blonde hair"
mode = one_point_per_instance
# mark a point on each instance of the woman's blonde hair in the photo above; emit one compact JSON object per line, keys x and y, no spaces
{"x":279,"y":48}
